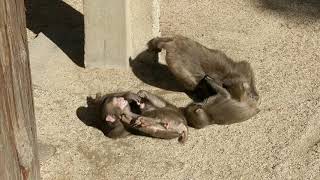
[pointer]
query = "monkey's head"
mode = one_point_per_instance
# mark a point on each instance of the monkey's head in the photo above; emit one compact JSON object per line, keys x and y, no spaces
{"x":114,"y":107}
{"x":193,"y":112}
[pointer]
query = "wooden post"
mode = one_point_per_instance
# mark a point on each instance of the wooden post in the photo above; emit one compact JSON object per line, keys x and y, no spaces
{"x":18,"y":145}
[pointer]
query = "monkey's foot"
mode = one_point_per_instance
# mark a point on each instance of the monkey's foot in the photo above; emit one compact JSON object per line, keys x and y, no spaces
{"x":140,"y":122}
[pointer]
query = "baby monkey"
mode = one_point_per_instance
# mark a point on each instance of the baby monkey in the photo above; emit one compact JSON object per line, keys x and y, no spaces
{"x":143,"y":113}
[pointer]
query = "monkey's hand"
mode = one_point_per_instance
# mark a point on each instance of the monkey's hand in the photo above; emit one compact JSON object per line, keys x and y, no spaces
{"x":125,"y":118}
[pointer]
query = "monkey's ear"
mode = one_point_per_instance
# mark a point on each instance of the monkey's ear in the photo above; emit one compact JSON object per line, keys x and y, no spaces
{"x":109,"y":118}
{"x":199,"y":110}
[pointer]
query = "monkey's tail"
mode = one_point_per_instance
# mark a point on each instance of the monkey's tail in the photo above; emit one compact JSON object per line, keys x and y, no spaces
{"x":156,"y":44}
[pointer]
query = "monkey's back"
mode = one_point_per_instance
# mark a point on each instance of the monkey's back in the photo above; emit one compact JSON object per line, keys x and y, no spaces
{"x":176,"y":124}
{"x":202,"y":60}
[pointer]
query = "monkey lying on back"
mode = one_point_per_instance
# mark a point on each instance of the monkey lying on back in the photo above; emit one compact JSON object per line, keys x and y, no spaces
{"x":194,"y":64}
{"x":154,"y":116}
{"x":190,"y":61}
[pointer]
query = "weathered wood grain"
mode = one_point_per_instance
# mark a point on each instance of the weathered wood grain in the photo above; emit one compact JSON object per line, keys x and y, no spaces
{"x":18,"y":145}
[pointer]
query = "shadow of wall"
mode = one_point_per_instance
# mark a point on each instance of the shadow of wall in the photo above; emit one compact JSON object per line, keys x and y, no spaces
{"x":60,"y":23}
{"x":293,"y":8}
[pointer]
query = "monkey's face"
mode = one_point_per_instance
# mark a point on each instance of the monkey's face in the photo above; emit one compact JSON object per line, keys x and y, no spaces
{"x":119,"y":102}
{"x":193,"y":111}
{"x":116,"y":106}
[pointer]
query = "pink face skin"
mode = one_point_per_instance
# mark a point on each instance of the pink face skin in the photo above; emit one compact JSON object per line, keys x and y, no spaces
{"x":119,"y":102}
{"x":110,"y":119}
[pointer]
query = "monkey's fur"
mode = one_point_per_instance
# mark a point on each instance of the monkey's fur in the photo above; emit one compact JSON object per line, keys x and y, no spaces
{"x":220,"y":109}
{"x":143,"y":113}
{"x":190,"y":61}
{"x":236,"y":97}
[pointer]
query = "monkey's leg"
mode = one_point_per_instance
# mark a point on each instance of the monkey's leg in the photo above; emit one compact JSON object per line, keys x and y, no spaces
{"x":220,"y":90}
{"x":156,"y":44}
{"x":153,"y":99}
{"x":184,"y":66}
{"x":161,"y":129}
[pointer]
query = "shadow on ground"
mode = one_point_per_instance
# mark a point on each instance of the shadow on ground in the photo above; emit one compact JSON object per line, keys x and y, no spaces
{"x":90,"y":116}
{"x":309,"y":8}
{"x":147,"y":68}
{"x":60,"y":23}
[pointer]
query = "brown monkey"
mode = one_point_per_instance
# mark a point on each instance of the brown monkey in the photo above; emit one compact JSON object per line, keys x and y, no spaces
{"x":190,"y":61}
{"x":194,"y":65}
{"x":154,"y":116}
{"x":221,"y":108}
{"x":112,"y":128}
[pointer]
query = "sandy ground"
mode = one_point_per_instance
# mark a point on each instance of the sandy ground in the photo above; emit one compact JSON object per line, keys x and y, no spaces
{"x":280,"y":40}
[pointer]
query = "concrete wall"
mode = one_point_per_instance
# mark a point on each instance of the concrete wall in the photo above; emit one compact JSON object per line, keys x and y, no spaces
{"x":118,"y":29}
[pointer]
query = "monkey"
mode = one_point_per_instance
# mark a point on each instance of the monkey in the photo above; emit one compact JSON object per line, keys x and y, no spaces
{"x":154,"y":116}
{"x":190,"y":62}
{"x":220,"y":109}
{"x":230,"y":95}
{"x":111,"y":128}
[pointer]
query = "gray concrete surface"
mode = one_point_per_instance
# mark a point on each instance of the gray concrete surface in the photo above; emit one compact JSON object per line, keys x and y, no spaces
{"x":281,"y":142}
{"x":118,"y":29}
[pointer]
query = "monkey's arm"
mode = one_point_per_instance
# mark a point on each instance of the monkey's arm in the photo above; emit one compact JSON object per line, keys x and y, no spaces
{"x":144,"y":124}
{"x":127,"y":117}
{"x":153,"y":99}
{"x":220,"y":90}
{"x":160,"y":129}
